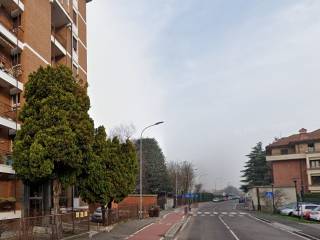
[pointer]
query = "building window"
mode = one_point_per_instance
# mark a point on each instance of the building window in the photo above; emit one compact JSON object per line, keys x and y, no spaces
{"x":315,"y":180}
{"x":284,"y":151}
{"x":15,"y":100}
{"x":74,"y":17}
{"x":74,"y":44}
{"x":315,"y":164}
{"x":16,"y":22}
{"x":311,"y":147}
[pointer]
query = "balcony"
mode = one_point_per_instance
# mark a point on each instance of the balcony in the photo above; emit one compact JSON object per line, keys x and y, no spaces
{"x":8,"y":117}
{"x":9,"y":75}
{"x":57,"y":47}
{"x":9,"y":36}
{"x":286,"y":157}
{"x":314,"y":188}
{"x":6,"y":163}
{"x":14,"y":7}
{"x":59,"y":16}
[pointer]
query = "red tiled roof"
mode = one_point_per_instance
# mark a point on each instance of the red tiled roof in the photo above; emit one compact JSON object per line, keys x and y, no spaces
{"x":296,"y":138}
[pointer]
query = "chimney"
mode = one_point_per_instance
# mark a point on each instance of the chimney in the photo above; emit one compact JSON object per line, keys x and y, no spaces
{"x":303,"y":130}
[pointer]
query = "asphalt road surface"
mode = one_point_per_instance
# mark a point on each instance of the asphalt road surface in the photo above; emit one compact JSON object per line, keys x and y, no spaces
{"x":222,"y":221}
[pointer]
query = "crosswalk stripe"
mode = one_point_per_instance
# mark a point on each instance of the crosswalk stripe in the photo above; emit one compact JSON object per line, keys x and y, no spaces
{"x":212,"y":214}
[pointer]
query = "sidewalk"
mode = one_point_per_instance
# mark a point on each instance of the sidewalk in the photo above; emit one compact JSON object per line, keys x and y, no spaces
{"x":312,"y":228}
{"x":157,"y":230}
{"x":126,"y":229}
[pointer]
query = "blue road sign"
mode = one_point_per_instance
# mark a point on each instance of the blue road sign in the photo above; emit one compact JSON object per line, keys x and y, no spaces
{"x":269,"y":194}
{"x":188,"y":195}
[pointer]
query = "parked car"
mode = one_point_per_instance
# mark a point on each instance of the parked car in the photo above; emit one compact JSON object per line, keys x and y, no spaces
{"x":97,"y":215}
{"x":315,"y":214}
{"x":287,"y":209}
{"x":304,"y":210}
{"x":216,"y":200}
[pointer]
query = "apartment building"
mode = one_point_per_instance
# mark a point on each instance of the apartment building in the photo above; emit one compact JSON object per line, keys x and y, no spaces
{"x":296,"y":159}
{"x":33,"y":33}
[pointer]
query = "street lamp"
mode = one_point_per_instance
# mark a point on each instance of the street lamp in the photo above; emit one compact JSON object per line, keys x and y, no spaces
{"x":155,"y":124}
{"x":297,"y":197}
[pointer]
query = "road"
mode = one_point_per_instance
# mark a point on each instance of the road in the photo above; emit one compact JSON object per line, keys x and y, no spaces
{"x":222,"y":221}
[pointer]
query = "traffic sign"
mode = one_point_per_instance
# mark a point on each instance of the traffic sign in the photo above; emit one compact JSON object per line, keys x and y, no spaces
{"x":269,"y":194}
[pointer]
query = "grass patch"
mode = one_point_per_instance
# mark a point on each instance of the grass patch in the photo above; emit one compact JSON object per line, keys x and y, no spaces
{"x":296,"y":219}
{"x":276,"y":216}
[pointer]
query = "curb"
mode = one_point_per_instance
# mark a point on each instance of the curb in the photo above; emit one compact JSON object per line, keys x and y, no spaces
{"x":174,"y":230}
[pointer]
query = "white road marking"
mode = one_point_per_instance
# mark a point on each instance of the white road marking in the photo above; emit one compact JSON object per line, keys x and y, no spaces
{"x":215,"y":213}
{"x":185,"y":223}
{"x":230,"y":230}
{"x":233,"y":212}
{"x":243,"y":213}
{"x":206,"y":213}
{"x":285,"y":230}
{"x":140,"y":230}
{"x":225,"y":213}
{"x":199,"y":212}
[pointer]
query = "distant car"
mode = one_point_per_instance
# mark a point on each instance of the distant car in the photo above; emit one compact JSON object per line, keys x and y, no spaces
{"x":315,"y":214}
{"x":304,"y":210}
{"x":216,"y":200}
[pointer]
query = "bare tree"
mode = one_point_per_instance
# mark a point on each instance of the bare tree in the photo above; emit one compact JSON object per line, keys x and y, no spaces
{"x":123,"y":132}
{"x":181,"y":174}
{"x":198,"y":188}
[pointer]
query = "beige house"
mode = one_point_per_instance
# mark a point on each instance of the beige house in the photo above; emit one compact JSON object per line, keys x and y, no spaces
{"x":296,"y":159}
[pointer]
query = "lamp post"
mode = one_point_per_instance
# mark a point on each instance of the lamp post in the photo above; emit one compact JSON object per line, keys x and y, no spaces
{"x":273,"y":206}
{"x":140,"y":208}
{"x":297,"y":197}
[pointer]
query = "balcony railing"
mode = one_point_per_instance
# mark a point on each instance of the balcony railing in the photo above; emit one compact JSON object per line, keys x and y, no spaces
{"x":12,"y":26}
{"x":6,"y":159}
{"x":9,"y":112}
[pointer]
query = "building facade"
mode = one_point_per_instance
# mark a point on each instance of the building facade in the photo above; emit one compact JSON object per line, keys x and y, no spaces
{"x":296,"y":160}
{"x":33,"y":33}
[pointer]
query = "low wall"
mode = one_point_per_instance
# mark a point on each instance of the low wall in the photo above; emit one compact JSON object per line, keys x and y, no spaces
{"x":148,"y":200}
{"x":134,"y":199}
{"x":282,"y":196}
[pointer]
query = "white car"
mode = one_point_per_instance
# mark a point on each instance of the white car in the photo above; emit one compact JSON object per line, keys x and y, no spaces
{"x":315,"y":214}
{"x":305,"y":209}
{"x":288,"y":209}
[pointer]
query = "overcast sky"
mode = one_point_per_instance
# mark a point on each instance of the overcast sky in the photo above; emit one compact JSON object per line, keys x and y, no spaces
{"x":222,"y":74}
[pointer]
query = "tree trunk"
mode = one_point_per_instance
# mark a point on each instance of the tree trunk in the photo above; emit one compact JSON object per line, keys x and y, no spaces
{"x":56,"y":195}
{"x":103,"y":212}
{"x":109,"y":206}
